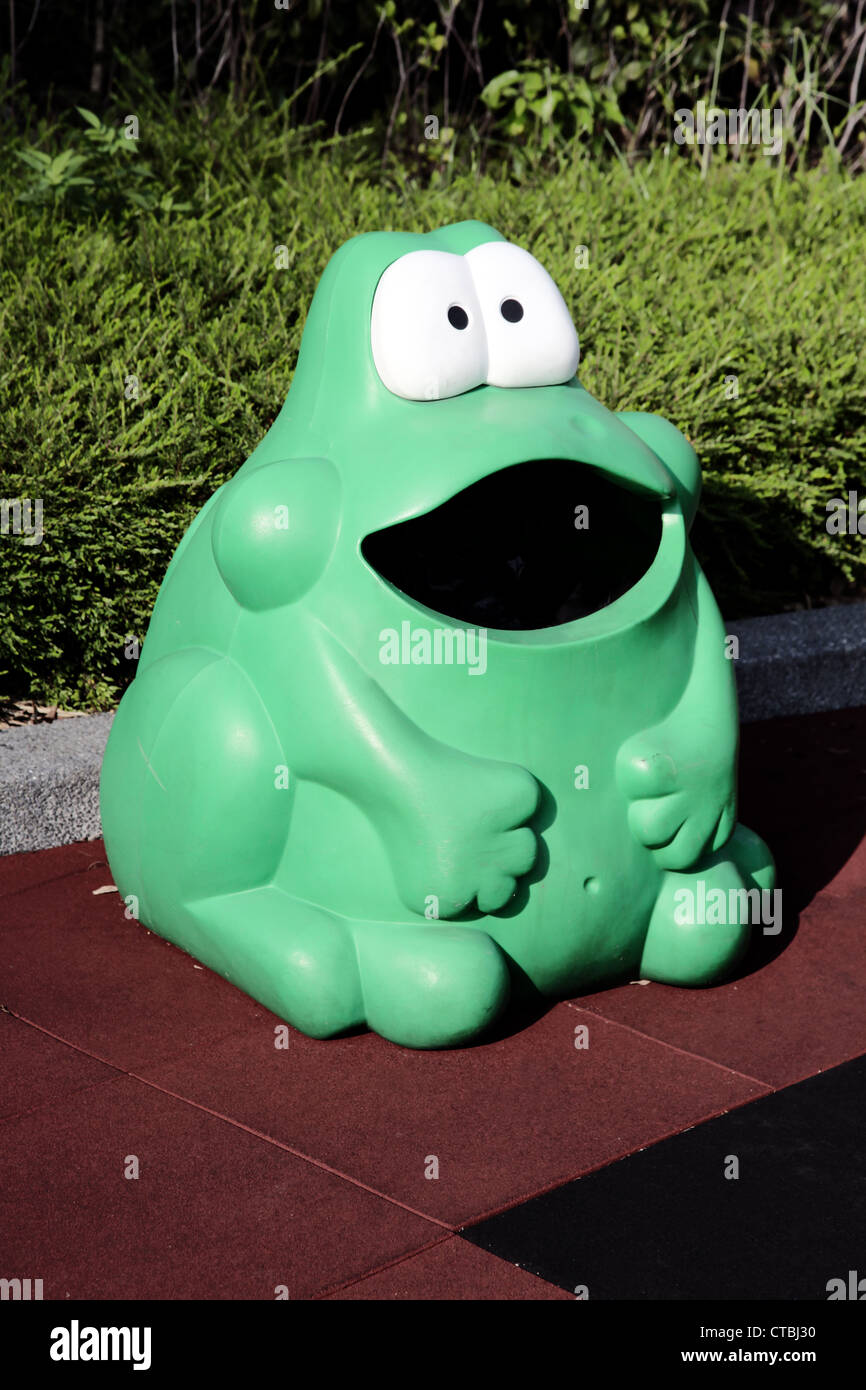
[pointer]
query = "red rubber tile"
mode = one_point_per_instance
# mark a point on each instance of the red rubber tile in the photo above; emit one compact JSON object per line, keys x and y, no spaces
{"x":38,"y":1071}
{"x":453,"y":1270}
{"x":74,"y":965}
{"x":19,"y":872}
{"x":214,"y":1213}
{"x":795,"y":1015}
{"x":504,"y":1120}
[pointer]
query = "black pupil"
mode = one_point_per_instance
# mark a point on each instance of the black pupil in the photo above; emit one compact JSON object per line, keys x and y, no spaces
{"x":511,"y":310}
{"x":457,"y":317}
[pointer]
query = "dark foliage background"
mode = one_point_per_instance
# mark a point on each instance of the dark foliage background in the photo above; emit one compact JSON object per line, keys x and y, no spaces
{"x":614,"y":67}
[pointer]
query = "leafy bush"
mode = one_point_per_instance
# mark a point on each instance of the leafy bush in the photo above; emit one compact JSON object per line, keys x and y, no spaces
{"x":141,"y":359}
{"x":540,"y":108}
{"x":99,"y":170}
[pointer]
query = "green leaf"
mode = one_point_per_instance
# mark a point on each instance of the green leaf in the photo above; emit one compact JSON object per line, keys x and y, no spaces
{"x":67,"y":160}
{"x":611,"y":109}
{"x":36,"y":159}
{"x":495,"y":90}
{"x":89,"y":117}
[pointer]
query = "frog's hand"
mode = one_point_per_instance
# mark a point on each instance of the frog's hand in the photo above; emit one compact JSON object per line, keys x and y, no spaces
{"x":274,"y":530}
{"x":680,"y":776}
{"x":671,"y":446}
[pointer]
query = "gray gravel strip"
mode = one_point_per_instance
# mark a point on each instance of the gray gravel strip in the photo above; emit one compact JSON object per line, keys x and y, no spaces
{"x":49,"y":782}
{"x":792,"y":663}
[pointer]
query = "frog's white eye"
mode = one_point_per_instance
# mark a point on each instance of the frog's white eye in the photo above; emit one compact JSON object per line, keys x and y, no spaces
{"x":426,"y":327}
{"x":531,"y":340}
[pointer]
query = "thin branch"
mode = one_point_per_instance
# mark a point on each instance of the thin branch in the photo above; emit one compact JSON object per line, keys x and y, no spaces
{"x":856,"y":114}
{"x":359,"y":74}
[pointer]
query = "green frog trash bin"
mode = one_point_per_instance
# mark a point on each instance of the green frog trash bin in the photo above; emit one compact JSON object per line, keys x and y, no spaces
{"x":434,"y":708}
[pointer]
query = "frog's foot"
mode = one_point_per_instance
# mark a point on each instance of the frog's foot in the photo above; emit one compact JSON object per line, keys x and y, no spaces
{"x":435,"y":986}
{"x":295,"y":958}
{"x":420,"y":986}
{"x":702,"y":920}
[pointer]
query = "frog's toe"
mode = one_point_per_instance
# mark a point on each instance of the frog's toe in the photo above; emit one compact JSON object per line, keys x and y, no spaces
{"x":434,"y":986}
{"x":295,"y":958}
{"x":702,"y":920}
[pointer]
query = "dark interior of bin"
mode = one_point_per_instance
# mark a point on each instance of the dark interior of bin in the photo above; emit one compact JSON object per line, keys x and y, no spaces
{"x":506,"y":553}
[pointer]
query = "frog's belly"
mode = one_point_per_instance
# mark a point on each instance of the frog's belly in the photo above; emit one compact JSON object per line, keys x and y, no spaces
{"x":581,"y":915}
{"x":579,"y":918}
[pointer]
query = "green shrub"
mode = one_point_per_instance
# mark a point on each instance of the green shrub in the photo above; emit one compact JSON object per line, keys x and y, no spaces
{"x":98,"y":170}
{"x":748,"y":272}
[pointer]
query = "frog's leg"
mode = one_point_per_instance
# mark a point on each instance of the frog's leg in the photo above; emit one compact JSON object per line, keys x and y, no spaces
{"x":430,"y":986}
{"x":196,"y":815}
{"x":417,"y":985}
{"x":701,"y":921}
{"x":295,"y":958}
{"x":196,"y":809}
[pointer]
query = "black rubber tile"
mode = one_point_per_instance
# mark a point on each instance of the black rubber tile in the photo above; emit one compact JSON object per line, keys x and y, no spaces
{"x":668,"y":1224}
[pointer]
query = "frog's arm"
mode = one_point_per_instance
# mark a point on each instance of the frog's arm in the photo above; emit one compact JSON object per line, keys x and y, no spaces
{"x":680,"y":776}
{"x":453,"y":824}
{"x":353,"y":737}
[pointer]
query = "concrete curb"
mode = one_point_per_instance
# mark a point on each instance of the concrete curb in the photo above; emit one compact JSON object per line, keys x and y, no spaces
{"x":791,"y":663}
{"x":801,"y":663}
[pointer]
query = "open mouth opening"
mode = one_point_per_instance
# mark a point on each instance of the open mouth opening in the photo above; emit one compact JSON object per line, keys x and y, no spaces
{"x":531,"y":546}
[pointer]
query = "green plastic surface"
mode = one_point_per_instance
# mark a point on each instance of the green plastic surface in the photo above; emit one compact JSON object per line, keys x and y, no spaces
{"x":401,"y":845}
